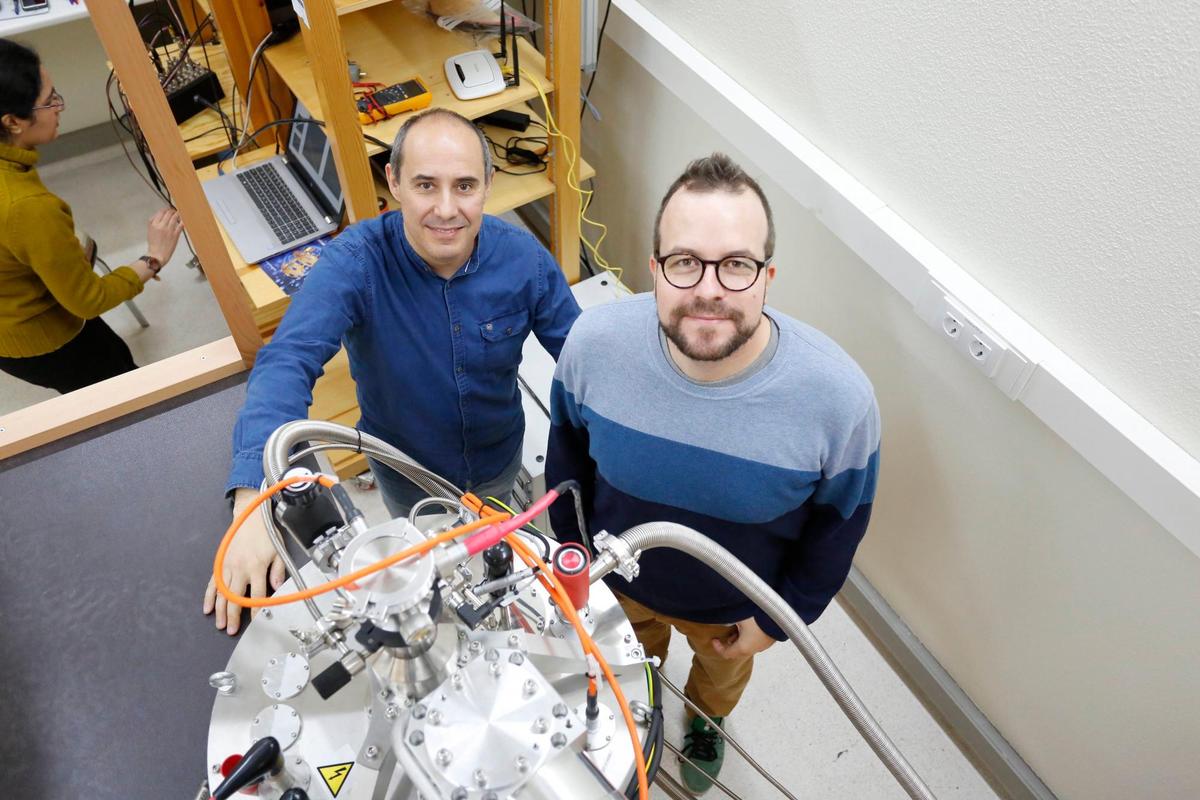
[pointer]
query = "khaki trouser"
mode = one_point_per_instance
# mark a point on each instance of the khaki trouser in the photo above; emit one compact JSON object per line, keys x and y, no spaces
{"x":715,"y":684}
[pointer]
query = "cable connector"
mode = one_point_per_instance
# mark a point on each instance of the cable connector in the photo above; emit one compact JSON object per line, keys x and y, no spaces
{"x":613,"y":555}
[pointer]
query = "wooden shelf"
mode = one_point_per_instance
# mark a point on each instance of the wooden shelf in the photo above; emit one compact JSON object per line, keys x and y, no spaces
{"x":372,"y":41}
{"x":350,"y":6}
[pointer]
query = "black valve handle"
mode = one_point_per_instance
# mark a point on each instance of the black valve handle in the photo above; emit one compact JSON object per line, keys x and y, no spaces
{"x":262,"y":759}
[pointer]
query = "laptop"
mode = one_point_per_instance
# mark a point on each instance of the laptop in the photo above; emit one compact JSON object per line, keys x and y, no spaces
{"x":283,"y":202}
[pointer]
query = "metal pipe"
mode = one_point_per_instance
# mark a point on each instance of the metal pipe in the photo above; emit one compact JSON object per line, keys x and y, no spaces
{"x":717,"y":783}
{"x":699,"y":546}
{"x":281,"y":549}
{"x":287,"y":436}
{"x":671,"y":787}
{"x":724,"y":735}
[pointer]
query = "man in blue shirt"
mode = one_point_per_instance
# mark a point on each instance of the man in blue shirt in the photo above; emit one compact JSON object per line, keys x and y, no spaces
{"x":433,"y":305}
{"x":727,"y":416}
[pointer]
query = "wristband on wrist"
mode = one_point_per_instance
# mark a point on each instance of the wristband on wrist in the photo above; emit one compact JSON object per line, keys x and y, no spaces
{"x":152,"y":263}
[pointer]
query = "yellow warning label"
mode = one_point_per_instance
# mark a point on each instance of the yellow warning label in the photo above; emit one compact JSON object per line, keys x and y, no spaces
{"x":335,"y":775}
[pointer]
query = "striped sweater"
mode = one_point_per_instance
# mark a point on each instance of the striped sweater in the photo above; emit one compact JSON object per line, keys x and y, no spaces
{"x":779,"y":468}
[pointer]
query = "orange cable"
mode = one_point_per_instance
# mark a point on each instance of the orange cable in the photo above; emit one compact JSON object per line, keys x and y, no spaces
{"x":552,"y":584}
{"x":313,"y":591}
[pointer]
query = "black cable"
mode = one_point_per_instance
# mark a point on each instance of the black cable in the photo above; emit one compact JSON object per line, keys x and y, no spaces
{"x":652,"y":746}
{"x":596,"y":69}
{"x":379,"y":142}
{"x":114,"y":119}
{"x":229,"y":129}
{"x":586,"y":259}
{"x":543,"y":542}
{"x":514,"y":154}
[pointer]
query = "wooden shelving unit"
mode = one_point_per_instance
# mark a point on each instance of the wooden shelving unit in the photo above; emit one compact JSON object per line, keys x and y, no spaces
{"x":392,"y":44}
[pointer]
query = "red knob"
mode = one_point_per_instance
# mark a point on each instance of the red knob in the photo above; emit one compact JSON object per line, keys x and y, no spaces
{"x":571,"y":565}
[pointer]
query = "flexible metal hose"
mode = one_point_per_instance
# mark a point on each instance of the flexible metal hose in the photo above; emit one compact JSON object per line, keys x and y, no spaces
{"x":699,"y":546}
{"x":277,"y":453}
{"x":278,"y":457}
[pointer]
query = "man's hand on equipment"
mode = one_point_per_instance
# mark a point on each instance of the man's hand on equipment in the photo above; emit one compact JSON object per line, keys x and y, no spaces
{"x":746,"y":640}
{"x":250,"y":562}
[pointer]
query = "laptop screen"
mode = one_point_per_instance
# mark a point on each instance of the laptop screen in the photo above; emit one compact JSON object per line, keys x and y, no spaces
{"x":309,"y":150}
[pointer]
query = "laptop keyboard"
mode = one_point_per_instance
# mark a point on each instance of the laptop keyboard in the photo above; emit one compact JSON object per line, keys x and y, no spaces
{"x":285,"y":215}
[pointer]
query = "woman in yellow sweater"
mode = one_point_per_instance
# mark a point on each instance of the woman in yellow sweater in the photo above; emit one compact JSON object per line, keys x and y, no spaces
{"x":51,"y":333}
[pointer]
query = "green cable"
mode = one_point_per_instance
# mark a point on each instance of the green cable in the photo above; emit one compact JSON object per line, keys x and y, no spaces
{"x":504,"y":507}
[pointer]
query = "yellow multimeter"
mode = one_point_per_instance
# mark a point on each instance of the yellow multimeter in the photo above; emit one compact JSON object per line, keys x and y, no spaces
{"x":411,"y":95}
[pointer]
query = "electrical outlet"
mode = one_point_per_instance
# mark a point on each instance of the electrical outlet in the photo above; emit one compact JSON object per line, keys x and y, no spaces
{"x":964,"y":331}
{"x":952,"y":324}
{"x":983,"y":351}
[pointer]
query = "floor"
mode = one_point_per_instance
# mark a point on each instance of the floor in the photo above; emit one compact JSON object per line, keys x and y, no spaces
{"x":786,"y":719}
{"x":112,"y":204}
{"x":793,"y":728}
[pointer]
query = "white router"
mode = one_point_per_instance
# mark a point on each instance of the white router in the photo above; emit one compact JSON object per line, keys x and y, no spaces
{"x":473,"y":75}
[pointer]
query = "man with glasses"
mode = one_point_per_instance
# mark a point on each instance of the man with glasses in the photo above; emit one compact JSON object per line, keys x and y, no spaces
{"x":700,"y":405}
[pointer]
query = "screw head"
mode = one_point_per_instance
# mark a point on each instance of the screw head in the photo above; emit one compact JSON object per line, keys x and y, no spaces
{"x":475,"y":647}
{"x":628,"y":638}
{"x":392,"y":711}
{"x":530,"y":687}
{"x":492,"y":654}
{"x":560,"y":710}
{"x":460,"y":793}
{"x":559,"y":740}
{"x":522,"y":764}
{"x":513,"y":640}
{"x":419,"y":711}
{"x":416,"y":738}
{"x":444,"y":757}
{"x":540,"y":725}
{"x":435,"y":717}
{"x":372,"y":751}
{"x":516,"y":658}
{"x":480,"y":778}
{"x":495,"y":669}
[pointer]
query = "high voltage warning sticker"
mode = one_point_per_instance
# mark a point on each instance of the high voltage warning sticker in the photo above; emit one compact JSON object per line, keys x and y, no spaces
{"x":335,"y":775}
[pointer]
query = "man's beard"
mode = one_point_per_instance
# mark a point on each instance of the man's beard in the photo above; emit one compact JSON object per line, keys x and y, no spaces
{"x":706,"y":347}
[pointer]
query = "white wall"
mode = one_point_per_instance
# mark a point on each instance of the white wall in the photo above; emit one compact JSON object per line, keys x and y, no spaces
{"x":1065,"y":612}
{"x":72,"y":53}
{"x":1048,"y":148}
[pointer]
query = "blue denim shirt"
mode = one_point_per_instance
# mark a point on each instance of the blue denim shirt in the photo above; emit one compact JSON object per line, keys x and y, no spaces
{"x":435,"y":360}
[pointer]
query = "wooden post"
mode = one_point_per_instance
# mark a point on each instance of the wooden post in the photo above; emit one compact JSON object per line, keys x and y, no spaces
{"x":119,"y":35}
{"x":190,"y":14}
{"x":243,"y":26}
{"x":327,"y":55}
{"x":562,"y":56}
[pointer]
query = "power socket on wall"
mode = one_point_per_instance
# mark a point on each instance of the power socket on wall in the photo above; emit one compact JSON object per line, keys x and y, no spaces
{"x":990,"y":354}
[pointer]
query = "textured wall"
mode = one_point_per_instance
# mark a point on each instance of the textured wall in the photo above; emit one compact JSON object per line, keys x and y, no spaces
{"x":1063,"y":610}
{"x":1049,"y":148}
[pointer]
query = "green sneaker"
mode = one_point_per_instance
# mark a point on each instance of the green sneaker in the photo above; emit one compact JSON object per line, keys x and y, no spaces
{"x":706,"y":749}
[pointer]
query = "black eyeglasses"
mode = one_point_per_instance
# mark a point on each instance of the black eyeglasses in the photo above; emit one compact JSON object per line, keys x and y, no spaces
{"x":735,"y":273}
{"x":56,"y":101}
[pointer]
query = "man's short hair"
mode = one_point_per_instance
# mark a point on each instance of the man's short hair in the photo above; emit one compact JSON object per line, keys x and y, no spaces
{"x":398,"y":145}
{"x":714,"y":173}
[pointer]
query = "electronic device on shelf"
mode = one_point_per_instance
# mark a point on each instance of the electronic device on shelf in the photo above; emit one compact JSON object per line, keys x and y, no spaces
{"x":15,"y":9}
{"x":283,"y":202}
{"x":477,"y":73}
{"x":473,"y":75}
{"x":409,"y":95}
{"x":190,"y":89}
